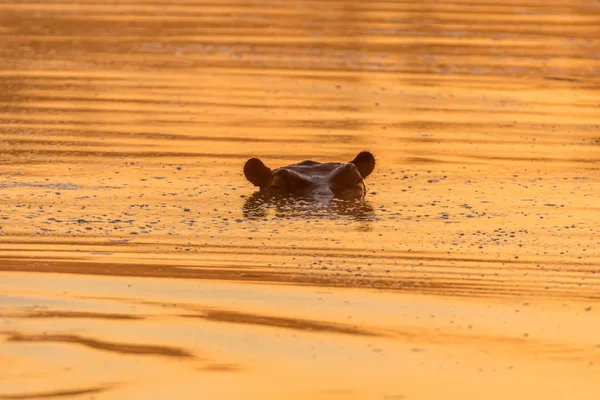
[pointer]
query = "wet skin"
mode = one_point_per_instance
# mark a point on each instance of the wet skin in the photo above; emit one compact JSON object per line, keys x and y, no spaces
{"x":313,"y":180}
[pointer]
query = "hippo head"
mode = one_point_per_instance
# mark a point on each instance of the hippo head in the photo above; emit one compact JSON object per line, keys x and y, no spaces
{"x":313,"y":180}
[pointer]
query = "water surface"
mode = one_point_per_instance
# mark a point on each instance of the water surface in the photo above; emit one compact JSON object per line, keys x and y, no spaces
{"x":137,"y":262}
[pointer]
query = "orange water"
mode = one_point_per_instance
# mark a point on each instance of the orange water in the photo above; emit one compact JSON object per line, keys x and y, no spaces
{"x":134,"y":263}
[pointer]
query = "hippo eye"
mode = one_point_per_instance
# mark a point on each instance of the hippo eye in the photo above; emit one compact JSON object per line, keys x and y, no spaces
{"x":279,"y":182}
{"x":347,"y":176}
{"x":347,"y":182}
{"x":288,"y":181}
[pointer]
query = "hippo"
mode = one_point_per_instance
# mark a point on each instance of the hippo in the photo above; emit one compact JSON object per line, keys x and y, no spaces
{"x":313,"y":180}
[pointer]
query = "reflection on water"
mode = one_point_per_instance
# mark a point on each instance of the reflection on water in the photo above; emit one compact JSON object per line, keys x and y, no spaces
{"x":125,"y":348}
{"x":258,"y":205}
{"x":137,"y":262}
{"x":57,"y":394}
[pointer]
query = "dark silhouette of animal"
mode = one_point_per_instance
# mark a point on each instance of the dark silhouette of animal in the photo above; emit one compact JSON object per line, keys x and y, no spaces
{"x":313,"y":180}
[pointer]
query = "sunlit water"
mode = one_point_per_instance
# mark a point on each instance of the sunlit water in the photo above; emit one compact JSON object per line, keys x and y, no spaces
{"x":137,"y":262}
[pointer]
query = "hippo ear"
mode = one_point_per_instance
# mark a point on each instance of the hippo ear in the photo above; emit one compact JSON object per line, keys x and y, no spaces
{"x":365,"y":162}
{"x":257,"y":172}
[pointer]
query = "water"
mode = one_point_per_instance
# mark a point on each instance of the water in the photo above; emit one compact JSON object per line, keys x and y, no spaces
{"x":137,"y":262}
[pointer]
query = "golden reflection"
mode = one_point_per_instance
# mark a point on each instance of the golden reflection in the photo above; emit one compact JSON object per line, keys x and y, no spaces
{"x":123,"y":348}
{"x":54,"y":394}
{"x":134,"y":250}
{"x":76,"y":314}
{"x":280,"y":322}
{"x":258,"y":204}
